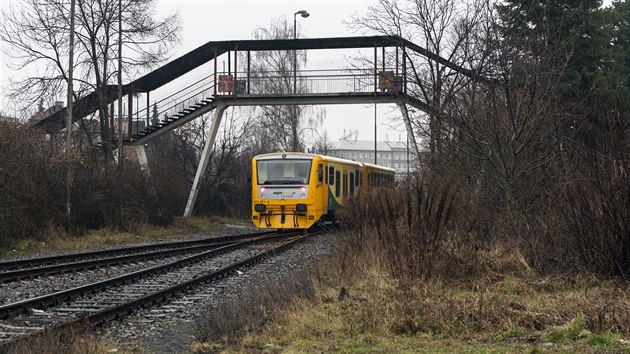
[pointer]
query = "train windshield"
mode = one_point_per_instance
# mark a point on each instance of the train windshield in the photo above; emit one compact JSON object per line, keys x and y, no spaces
{"x":283,"y":171}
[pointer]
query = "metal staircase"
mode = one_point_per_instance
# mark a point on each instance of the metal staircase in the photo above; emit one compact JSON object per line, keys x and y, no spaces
{"x":183,"y":105}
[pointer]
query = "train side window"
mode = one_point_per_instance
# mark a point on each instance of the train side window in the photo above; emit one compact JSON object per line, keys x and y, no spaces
{"x":352,"y":182}
{"x":337,"y":184}
{"x":356,"y":180}
{"x":320,"y":174}
{"x":331,"y":175}
{"x":345,"y":184}
{"x":326,"y":175}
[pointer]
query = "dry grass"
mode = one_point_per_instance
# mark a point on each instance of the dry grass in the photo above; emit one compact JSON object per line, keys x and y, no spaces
{"x":56,"y":239}
{"x":405,"y":279}
{"x":510,"y":313}
{"x":76,"y":340}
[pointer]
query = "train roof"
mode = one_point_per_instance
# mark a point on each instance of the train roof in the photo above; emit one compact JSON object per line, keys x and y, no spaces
{"x":379,"y":167}
{"x":287,"y":155}
{"x":303,"y":155}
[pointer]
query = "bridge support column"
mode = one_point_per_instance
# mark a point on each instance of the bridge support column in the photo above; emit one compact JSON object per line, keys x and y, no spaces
{"x":134,"y":153}
{"x":205,"y":157}
{"x":412,"y":137}
{"x":141,"y":153}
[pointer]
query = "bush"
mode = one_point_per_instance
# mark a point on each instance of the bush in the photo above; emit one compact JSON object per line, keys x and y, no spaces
{"x":33,"y":180}
{"x":419,"y":231}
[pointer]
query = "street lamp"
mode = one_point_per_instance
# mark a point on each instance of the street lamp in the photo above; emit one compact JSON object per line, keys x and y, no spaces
{"x":304,"y":14}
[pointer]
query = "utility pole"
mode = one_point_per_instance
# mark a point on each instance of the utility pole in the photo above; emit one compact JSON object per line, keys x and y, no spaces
{"x":375,"y":136}
{"x":70,"y":105}
{"x":120,"y":105}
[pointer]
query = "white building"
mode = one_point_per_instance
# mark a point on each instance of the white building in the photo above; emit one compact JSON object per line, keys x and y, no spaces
{"x":392,"y":154}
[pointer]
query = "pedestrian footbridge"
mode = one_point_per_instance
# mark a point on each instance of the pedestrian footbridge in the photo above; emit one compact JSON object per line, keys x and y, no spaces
{"x":165,"y":98}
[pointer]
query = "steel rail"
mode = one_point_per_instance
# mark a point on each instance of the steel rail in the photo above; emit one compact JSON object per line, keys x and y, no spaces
{"x":32,"y":262}
{"x":28,"y":273}
{"x":160,"y":296}
{"x":45,"y":301}
{"x":121,"y":310}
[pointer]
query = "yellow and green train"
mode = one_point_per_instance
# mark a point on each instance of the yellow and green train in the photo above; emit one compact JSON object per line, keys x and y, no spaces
{"x":296,"y":190}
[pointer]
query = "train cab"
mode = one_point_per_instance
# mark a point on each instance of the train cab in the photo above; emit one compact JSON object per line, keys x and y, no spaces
{"x":285,"y":190}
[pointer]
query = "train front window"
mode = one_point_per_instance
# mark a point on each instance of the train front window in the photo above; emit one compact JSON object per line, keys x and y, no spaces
{"x":283,"y":171}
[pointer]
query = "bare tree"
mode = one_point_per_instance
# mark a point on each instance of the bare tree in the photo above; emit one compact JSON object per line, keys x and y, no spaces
{"x":281,"y":124}
{"x":445,"y":28}
{"x":224,"y":189}
{"x":35,"y":38}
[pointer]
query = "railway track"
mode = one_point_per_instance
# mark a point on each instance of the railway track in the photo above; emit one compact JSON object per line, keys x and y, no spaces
{"x":28,"y":263}
{"x":115,"y":297}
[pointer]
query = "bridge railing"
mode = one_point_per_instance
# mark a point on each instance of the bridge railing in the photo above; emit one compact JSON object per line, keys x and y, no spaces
{"x":334,"y":82}
{"x":166,"y":107}
{"x":317,"y":82}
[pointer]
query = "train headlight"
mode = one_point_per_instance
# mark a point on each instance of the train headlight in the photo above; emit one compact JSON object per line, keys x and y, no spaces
{"x":262,"y":192}
{"x":303,"y":190}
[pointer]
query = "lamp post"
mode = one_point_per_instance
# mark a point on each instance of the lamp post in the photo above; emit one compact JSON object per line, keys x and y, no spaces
{"x":304,"y":14}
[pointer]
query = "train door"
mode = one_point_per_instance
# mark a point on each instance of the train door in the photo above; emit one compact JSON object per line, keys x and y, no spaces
{"x":338,"y":184}
{"x":332,"y":188}
{"x":352,"y":179}
{"x":321,"y":193}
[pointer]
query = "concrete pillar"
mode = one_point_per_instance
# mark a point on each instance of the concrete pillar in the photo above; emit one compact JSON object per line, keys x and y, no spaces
{"x":205,"y":157}
{"x":142,"y":158}
{"x":134,"y":153}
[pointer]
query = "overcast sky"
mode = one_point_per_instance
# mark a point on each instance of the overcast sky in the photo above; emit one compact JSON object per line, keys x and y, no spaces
{"x":212,"y":20}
